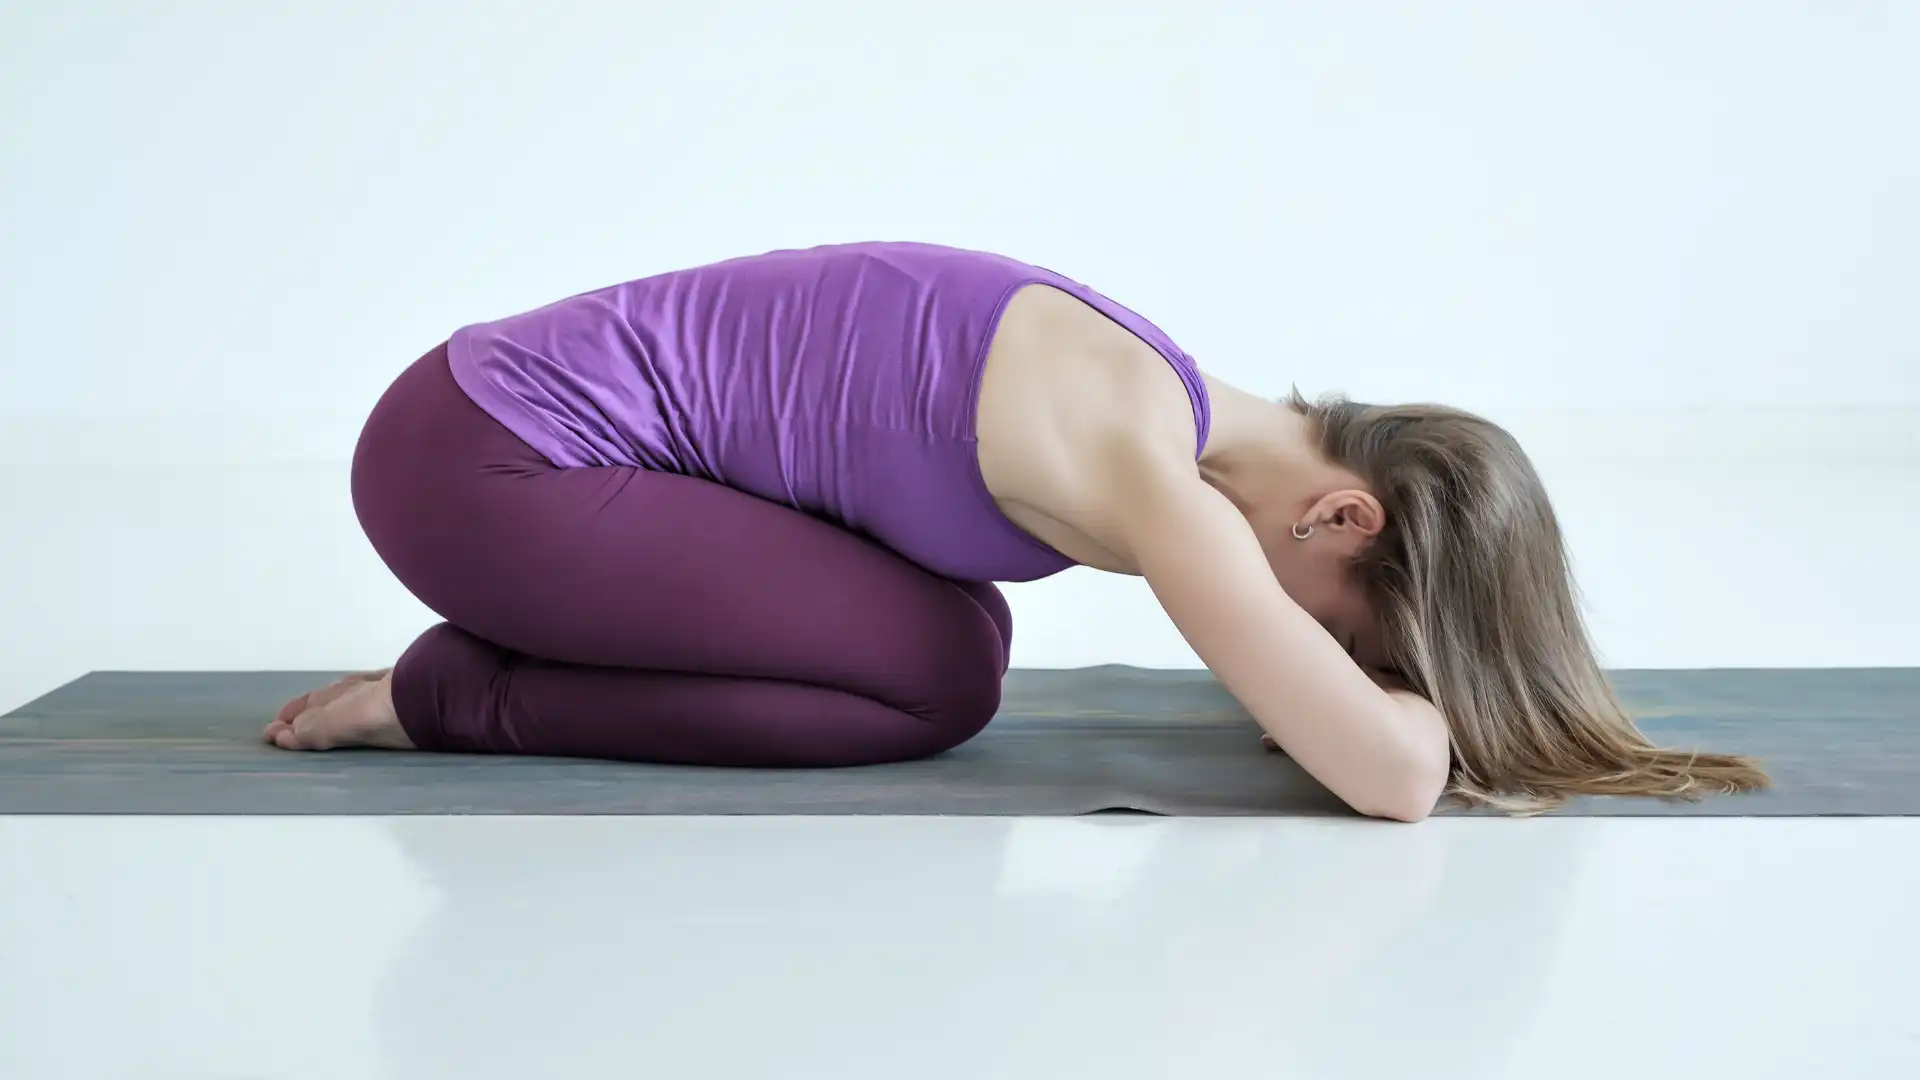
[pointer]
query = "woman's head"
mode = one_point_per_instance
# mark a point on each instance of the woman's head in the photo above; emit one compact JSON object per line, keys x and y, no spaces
{"x":1452,"y":552}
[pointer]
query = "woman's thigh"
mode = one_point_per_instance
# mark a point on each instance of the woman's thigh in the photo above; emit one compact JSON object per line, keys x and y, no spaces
{"x":622,"y":567}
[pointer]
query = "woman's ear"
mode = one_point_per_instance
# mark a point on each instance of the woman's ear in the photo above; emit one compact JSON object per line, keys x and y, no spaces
{"x":1350,"y":510}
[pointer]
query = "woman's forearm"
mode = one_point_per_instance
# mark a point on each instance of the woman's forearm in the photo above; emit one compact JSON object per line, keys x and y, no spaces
{"x":1383,"y":752}
{"x":1382,"y":749}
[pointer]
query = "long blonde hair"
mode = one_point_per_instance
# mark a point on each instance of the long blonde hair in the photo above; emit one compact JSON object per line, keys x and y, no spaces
{"x":1471,"y":579}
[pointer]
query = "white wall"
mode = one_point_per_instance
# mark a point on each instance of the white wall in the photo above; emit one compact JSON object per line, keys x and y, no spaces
{"x":227,"y":225}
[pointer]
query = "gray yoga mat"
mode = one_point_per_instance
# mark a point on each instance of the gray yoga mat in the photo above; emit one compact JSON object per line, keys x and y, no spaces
{"x":1839,"y":742}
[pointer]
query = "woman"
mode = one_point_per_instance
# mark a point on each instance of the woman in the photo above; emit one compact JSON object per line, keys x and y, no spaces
{"x":747,"y":514}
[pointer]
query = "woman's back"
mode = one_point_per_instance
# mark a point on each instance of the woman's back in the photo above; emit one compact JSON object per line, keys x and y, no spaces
{"x":840,"y":380}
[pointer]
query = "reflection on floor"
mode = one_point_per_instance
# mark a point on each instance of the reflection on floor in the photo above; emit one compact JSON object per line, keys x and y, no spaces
{"x":979,"y":948}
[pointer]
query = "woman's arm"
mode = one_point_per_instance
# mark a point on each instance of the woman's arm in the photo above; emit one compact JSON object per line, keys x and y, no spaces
{"x":1395,"y":687}
{"x":1384,"y":754}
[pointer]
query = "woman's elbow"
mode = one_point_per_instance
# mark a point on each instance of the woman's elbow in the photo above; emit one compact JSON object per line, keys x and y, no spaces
{"x":1412,"y":796}
{"x":1410,"y":810}
{"x":1417,"y":767}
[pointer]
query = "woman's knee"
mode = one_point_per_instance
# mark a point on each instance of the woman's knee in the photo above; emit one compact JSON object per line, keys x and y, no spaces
{"x":963,"y":717}
{"x":954,"y":695}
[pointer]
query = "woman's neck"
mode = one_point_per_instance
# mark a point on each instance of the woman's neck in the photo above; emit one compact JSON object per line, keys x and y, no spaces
{"x":1260,"y":449}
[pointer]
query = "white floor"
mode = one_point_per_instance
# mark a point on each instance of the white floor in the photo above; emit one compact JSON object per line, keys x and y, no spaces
{"x":341,"y":949}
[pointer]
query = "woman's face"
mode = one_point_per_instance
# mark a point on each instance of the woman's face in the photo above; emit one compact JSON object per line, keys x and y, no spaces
{"x":1317,"y":573}
{"x":1326,"y":588}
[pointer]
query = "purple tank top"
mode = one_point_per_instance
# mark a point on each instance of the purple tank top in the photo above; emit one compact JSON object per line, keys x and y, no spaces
{"x":840,"y":381}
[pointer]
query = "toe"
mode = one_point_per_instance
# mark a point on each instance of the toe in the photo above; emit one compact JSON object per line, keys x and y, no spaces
{"x":312,"y":730}
{"x":306,"y":733}
{"x":327,"y":695}
{"x":290,"y":710}
{"x":289,"y":735}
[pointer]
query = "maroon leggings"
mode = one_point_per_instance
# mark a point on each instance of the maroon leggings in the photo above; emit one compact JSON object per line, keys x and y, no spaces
{"x":645,"y":616}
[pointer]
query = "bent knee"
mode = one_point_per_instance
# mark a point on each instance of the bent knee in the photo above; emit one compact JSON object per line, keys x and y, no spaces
{"x":950,"y":698}
{"x":958,"y":717}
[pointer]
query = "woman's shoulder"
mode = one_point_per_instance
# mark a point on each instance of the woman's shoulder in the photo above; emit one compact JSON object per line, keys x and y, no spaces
{"x":1061,"y":367}
{"x":1066,"y":394}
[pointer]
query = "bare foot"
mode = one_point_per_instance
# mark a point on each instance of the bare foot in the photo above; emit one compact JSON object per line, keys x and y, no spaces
{"x":317,"y":698}
{"x":354,"y":711}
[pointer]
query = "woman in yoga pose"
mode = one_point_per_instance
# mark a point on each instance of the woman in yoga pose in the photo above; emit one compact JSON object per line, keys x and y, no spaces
{"x":749,"y":514}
